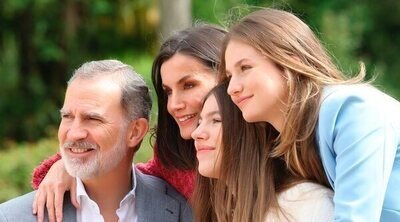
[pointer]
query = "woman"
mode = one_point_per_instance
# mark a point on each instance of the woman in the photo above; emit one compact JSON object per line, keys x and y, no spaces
{"x":240,"y":181}
{"x":283,"y":76}
{"x":183,"y":72}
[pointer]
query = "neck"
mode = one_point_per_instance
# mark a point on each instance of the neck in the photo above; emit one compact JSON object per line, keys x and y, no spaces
{"x":108,"y":189}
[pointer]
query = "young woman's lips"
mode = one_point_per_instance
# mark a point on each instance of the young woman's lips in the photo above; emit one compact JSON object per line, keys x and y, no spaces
{"x":241,"y":100}
{"x":204,"y":149}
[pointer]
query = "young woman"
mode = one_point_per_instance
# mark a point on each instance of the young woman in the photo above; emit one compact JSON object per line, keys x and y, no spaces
{"x":280,"y":74}
{"x":239,"y":180}
{"x":183,"y":72}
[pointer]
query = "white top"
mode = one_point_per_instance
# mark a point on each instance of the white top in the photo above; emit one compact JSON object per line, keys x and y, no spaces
{"x":89,"y":210}
{"x":304,"y":202}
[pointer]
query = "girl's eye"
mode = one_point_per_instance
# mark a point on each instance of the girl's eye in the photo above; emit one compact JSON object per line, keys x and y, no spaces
{"x":216,"y":120}
{"x":245,"y":67}
{"x":188,"y":85}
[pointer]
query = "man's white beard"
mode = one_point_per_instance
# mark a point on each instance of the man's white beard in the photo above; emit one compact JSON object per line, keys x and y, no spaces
{"x":100,"y":163}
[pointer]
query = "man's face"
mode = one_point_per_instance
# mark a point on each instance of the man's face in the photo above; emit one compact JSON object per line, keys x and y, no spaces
{"x":93,"y":128}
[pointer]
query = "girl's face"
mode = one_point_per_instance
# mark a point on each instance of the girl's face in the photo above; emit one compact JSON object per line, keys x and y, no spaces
{"x":257,"y":86}
{"x":186,"y":81}
{"x":207,"y":139}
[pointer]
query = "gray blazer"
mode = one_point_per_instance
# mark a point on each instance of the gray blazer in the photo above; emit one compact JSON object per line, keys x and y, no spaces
{"x":155,"y":201}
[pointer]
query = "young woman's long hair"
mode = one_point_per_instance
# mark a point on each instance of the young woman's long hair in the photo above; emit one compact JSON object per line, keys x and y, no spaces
{"x":202,"y":42}
{"x":249,"y":178}
{"x":307,"y":67}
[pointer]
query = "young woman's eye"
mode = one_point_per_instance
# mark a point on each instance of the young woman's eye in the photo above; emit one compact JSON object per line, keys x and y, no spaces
{"x":188,"y":85}
{"x":245,"y":67}
{"x":216,"y":120}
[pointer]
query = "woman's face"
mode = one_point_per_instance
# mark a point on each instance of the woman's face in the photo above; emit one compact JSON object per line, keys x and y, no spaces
{"x":207,"y":139}
{"x":186,"y":81}
{"x":257,"y":86}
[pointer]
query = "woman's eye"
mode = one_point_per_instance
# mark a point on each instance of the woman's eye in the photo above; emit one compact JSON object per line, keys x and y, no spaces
{"x":245,"y":67}
{"x":167,"y":92}
{"x":216,"y":120}
{"x":188,"y":85}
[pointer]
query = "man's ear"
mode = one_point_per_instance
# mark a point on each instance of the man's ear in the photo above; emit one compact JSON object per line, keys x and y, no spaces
{"x":137,"y":130}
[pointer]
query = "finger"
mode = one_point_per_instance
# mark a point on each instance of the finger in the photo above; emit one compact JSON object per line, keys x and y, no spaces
{"x":50,"y":205}
{"x":74,"y":201}
{"x":58,"y":204}
{"x":40,"y":203}
{"x":34,"y":204}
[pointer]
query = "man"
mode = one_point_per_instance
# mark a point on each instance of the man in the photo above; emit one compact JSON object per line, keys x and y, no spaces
{"x":104,"y":119}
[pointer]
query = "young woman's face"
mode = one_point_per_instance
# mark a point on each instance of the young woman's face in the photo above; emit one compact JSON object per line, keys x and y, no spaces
{"x":207,"y":139}
{"x":257,"y":86}
{"x":186,"y":81}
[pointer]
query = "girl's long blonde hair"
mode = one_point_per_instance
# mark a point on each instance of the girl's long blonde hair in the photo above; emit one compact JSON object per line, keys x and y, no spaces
{"x":293,"y":47}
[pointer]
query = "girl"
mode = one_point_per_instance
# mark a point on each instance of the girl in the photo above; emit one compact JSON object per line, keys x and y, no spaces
{"x":239,"y":180}
{"x":280,"y":74}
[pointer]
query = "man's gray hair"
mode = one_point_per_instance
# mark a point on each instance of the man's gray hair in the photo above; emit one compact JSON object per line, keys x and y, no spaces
{"x":136,"y":100}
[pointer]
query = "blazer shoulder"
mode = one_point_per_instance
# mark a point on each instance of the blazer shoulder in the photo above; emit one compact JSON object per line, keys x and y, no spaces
{"x":159,"y":185}
{"x":18,"y":209}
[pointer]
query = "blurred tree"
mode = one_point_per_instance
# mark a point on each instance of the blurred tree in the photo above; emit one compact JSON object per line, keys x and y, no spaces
{"x":175,"y":15}
{"x":42,"y":41}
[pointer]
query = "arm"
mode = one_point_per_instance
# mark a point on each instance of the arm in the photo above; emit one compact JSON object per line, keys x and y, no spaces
{"x":357,"y":145}
{"x":40,"y":171}
{"x":181,"y":180}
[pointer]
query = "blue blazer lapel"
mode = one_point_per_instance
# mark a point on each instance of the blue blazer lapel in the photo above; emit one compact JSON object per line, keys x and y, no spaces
{"x":153,"y":202}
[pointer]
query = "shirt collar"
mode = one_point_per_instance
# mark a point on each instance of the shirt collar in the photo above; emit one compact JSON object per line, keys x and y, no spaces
{"x":81,"y":191}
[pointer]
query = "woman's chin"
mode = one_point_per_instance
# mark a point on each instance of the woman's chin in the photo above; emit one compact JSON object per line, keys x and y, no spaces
{"x":186,"y":135}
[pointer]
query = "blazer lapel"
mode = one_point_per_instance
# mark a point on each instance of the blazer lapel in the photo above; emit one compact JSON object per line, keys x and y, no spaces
{"x":153,"y":202}
{"x":69,"y":211}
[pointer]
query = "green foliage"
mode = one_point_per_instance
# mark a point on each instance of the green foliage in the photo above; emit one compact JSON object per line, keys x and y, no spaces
{"x":17,"y":164}
{"x":42,"y":42}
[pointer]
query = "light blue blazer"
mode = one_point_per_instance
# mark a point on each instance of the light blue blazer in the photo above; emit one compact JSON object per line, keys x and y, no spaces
{"x":358,"y":134}
{"x":155,"y":201}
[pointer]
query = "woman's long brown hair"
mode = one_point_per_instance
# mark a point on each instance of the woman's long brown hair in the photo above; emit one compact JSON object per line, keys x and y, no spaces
{"x":250,"y":178}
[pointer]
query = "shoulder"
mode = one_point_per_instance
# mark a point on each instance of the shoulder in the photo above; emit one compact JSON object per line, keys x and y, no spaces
{"x":156,"y":200}
{"x":358,"y":95}
{"x":307,"y":202}
{"x":18,"y":209}
{"x":307,"y":191}
{"x":338,"y":95}
{"x":158,"y":185}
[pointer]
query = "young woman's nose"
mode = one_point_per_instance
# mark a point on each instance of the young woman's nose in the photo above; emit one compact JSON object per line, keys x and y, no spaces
{"x":199,"y":133}
{"x":234,"y":87}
